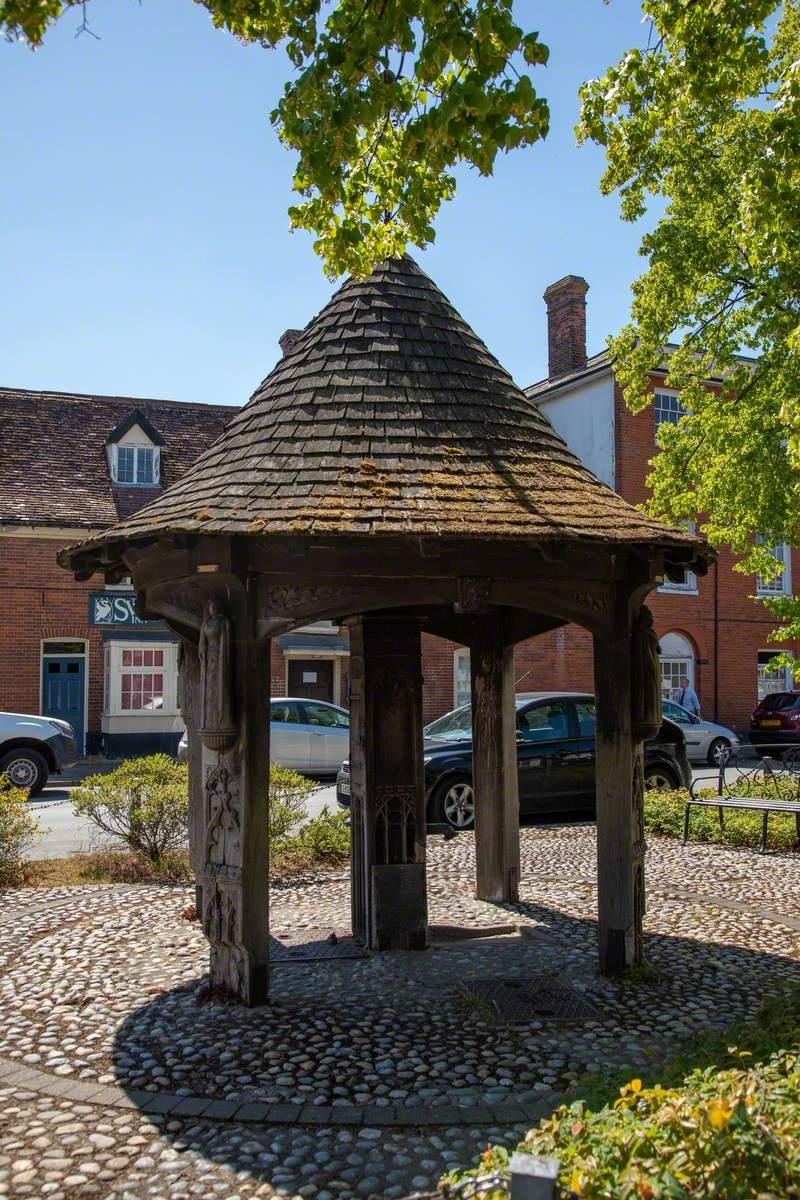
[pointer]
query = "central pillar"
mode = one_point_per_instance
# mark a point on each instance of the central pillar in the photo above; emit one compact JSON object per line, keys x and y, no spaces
{"x":389,"y":895}
{"x":494,"y":765}
{"x":620,"y":803}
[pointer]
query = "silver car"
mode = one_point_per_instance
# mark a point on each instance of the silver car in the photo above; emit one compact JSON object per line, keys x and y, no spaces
{"x":705,"y":741}
{"x":311,"y":736}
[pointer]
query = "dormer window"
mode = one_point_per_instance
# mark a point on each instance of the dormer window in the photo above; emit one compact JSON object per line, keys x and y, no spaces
{"x":135,"y":465}
{"x":134,"y":452}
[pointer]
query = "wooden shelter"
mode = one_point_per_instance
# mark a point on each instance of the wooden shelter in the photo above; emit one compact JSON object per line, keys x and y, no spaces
{"x":389,"y":474}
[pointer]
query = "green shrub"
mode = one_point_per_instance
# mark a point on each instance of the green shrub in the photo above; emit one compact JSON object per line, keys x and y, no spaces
{"x":664,"y":813}
{"x":326,"y":837}
{"x":720,"y":1119}
{"x":322,"y":841}
{"x":18,"y":830}
{"x":731,"y":1133}
{"x":288,"y":792}
{"x":142,"y":805}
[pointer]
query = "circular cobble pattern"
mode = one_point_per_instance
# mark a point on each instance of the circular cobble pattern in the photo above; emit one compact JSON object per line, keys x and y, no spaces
{"x":100,"y":985}
{"x":63,"y":1150}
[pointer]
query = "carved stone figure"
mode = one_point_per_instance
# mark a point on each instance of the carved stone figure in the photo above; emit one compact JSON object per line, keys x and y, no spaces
{"x":646,"y":714}
{"x":217,"y":730}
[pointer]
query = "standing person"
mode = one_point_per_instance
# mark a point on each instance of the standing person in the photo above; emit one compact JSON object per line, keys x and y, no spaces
{"x":686,"y":696}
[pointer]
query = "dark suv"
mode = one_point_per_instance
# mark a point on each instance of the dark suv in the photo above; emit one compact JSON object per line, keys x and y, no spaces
{"x":555,"y":757}
{"x":776,"y":720}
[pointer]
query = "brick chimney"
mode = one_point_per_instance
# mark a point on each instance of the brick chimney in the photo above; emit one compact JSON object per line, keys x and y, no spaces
{"x":288,"y":339}
{"x":566,"y":325}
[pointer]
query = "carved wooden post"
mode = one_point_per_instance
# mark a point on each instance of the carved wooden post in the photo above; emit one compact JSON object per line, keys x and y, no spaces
{"x":620,"y":802}
{"x":189,"y":689}
{"x":389,"y":898}
{"x":235,"y":872}
{"x":494,"y":765}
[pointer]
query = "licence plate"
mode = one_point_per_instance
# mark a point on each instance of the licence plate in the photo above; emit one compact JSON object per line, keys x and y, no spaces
{"x":770,"y":724}
{"x":344,"y":787}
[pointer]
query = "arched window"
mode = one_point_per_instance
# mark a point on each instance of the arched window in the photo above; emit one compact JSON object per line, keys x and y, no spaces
{"x":677,"y":659}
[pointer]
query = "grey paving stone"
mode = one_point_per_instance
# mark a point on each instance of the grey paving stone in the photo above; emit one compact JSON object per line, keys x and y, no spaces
{"x":252,"y":1112}
{"x":190,"y":1106}
{"x":315,"y":1114}
{"x":160,"y":1102}
{"x":221,"y":1110}
{"x":348,"y":1114}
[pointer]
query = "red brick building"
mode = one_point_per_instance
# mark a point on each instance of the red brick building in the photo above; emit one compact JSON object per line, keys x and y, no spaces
{"x":74,"y":464}
{"x":711,"y":629}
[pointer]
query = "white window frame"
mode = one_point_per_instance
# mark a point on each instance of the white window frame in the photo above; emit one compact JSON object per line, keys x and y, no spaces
{"x":113,"y":672}
{"x":689,"y":585}
{"x":783,"y":679}
{"x":138,"y":448}
{"x":781,"y":584}
{"x":680,"y":664}
{"x":460,"y":658}
{"x":678,"y":412}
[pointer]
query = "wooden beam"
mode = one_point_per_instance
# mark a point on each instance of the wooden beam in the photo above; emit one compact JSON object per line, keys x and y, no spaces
{"x":620,"y":799}
{"x":189,"y":702}
{"x":234,"y":876}
{"x":494,"y":765}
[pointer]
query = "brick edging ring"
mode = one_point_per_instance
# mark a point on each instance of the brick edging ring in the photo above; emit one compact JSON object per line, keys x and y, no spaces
{"x":27,"y":1078}
{"x":170,"y":1104}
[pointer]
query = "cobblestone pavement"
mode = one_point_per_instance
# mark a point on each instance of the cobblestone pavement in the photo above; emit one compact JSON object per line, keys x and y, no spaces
{"x":368,"y":1075}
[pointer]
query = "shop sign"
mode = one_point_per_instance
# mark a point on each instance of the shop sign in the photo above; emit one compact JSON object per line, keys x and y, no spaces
{"x":110,"y":609}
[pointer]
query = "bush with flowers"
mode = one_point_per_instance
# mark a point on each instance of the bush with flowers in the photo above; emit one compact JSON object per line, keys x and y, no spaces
{"x":722,"y":1134}
{"x":724,"y":1129}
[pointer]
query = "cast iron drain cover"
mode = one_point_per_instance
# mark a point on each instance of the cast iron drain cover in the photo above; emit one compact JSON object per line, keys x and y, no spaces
{"x":311,"y":945}
{"x":518,"y":1001}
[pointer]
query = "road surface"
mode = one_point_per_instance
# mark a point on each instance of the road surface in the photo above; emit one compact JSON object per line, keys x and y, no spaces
{"x":67,"y":834}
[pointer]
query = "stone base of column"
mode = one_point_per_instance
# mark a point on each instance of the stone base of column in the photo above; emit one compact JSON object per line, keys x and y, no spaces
{"x":399,"y":911}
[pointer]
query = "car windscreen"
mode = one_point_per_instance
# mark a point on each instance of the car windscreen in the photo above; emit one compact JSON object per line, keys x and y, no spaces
{"x":453,"y":726}
{"x":779,"y":700}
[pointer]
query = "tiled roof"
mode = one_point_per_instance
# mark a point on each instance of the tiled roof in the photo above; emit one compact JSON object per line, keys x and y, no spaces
{"x":602,"y":362}
{"x":390,"y":416}
{"x":594,"y":364}
{"x":54,"y":466}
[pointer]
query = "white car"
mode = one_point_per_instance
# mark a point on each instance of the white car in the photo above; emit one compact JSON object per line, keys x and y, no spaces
{"x":311,"y":736}
{"x":31,"y":747}
{"x":705,"y":741}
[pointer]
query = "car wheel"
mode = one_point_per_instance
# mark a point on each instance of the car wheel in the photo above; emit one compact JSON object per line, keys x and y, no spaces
{"x":660,"y":779}
{"x":716,"y":750}
{"x":25,"y":769}
{"x":454,"y":804}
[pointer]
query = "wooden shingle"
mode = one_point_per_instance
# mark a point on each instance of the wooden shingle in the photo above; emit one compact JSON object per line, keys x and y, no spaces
{"x":389,"y":413}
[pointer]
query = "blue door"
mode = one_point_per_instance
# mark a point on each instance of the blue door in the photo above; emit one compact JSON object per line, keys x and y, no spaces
{"x":63,"y":682}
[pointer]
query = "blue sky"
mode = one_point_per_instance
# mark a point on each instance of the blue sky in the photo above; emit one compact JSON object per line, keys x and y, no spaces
{"x":144,"y":244}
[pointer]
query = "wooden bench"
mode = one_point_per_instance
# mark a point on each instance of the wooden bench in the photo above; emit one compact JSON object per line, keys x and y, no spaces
{"x":763,"y":775}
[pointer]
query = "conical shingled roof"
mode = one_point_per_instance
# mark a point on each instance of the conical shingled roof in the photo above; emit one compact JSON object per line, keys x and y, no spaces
{"x":390,"y":416}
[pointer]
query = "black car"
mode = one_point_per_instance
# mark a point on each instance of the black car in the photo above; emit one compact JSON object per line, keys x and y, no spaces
{"x":555,"y":754}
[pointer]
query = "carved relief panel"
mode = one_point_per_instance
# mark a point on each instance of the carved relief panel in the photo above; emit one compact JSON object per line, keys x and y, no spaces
{"x":223,"y":823}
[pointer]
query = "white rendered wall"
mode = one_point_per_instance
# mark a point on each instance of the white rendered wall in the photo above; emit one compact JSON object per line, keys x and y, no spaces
{"x":584,"y":416}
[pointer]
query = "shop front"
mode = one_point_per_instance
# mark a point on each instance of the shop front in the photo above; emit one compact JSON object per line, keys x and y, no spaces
{"x":140,"y":679}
